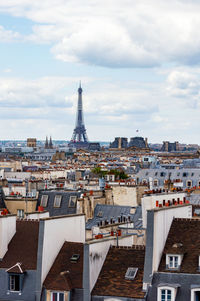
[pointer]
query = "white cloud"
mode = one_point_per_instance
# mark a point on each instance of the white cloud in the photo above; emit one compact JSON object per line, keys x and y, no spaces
{"x":7,"y":36}
{"x":114,"y":33}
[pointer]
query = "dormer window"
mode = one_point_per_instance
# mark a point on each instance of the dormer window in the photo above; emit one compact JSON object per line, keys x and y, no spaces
{"x":173,"y":261}
{"x":166,"y":292}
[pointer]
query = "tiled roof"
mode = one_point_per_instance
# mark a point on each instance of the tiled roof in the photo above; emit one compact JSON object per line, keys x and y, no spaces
{"x":112,"y":282}
{"x":23,"y":246}
{"x":184,"y":233}
{"x":65,"y":274}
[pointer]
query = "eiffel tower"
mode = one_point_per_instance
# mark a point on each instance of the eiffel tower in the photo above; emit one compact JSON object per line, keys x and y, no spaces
{"x":79,"y":137}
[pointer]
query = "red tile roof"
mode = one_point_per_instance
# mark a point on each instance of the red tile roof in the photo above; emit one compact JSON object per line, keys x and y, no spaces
{"x":112,"y":282}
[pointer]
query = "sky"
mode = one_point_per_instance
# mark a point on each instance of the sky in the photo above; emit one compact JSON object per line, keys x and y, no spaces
{"x":138,"y":62}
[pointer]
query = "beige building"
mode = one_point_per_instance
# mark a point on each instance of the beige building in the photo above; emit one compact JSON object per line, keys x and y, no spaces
{"x":127,"y":195}
{"x":31,"y":142}
{"x":20,"y":205}
{"x":90,"y":199}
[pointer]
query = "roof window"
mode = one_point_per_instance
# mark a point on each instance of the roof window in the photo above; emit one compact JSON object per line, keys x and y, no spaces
{"x":131,"y":273}
{"x":72,"y":201}
{"x":57,"y":201}
{"x":75,"y":258}
{"x":44,"y":200}
{"x":100,"y":214}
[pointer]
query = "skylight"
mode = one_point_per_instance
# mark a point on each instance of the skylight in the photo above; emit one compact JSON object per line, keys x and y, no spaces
{"x":75,"y":258}
{"x":131,"y":273}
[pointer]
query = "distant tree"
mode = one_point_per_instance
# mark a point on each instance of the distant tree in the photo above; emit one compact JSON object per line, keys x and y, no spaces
{"x":99,"y":172}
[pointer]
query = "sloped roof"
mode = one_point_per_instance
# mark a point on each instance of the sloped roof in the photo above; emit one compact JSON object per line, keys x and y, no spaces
{"x":23,"y":246}
{"x":64,"y":205}
{"x":183,"y":233}
{"x":114,"y":211}
{"x":64,"y":274}
{"x":112,"y":282}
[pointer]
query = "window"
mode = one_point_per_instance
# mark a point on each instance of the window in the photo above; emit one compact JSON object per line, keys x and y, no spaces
{"x":131,"y":273}
{"x":173,"y":261}
{"x":57,"y":296}
{"x":72,"y":201}
{"x":57,"y":201}
{"x":144,"y":181}
{"x":166,"y":295}
{"x":100,"y":214}
{"x":155,"y":182}
{"x":195,"y":294}
{"x":146,"y":174}
{"x":44,"y":200}
{"x":75,"y":258}
{"x":185,"y":174}
{"x":20,"y":213}
{"x":189,"y":183}
{"x":162,"y":174}
{"x":14,"y":283}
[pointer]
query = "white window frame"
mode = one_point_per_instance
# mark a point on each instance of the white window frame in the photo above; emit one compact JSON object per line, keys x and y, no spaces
{"x":173,"y":266}
{"x":20,"y":213}
{"x":155,"y":182}
{"x":129,"y":271}
{"x":58,"y":295}
{"x":44,"y":200}
{"x":193,"y":290}
{"x":57,"y":200}
{"x":70,"y":200}
{"x":166,"y":288}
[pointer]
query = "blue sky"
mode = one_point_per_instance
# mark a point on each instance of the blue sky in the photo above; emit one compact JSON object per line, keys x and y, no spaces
{"x":138,"y":62}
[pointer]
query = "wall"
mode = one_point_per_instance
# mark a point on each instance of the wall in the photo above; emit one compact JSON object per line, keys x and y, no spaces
{"x":162,"y":223}
{"x":28,"y":289}
{"x":14,"y":204}
{"x":158,"y":225}
{"x":124,"y":195}
{"x":149,"y":202}
{"x":16,"y":189}
{"x":97,"y":253}
{"x":60,"y":229}
{"x":17,"y":175}
{"x":7,"y":231}
{"x":37,"y":215}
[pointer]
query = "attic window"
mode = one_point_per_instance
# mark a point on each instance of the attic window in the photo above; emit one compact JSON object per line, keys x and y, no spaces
{"x":131,"y":273}
{"x":75,"y":258}
{"x":173,"y":261}
{"x":100,"y":214}
{"x":44,"y":200}
{"x":57,"y":201}
{"x":72,"y":201}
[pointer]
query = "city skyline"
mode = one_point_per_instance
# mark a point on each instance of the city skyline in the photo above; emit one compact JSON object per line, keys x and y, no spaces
{"x":139,"y":71}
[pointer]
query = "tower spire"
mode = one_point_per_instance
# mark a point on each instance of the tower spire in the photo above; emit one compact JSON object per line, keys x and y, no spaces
{"x":79,"y":137}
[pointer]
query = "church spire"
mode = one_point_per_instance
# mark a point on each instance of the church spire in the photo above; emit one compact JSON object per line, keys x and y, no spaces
{"x":50,"y":143}
{"x":46,"y":143}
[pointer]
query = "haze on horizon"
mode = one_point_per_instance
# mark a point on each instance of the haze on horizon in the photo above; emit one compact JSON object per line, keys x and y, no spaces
{"x":138,"y":63}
